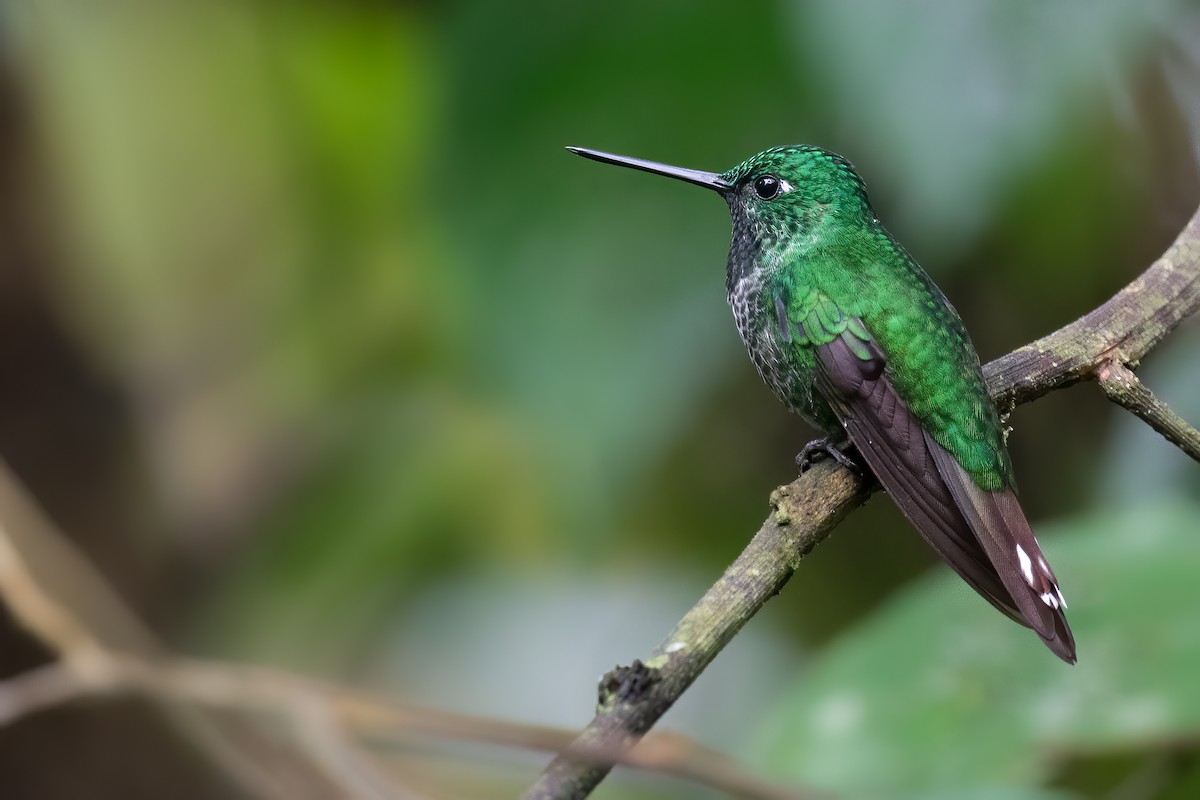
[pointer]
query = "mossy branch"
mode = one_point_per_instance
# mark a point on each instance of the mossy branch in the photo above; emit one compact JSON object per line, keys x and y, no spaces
{"x":1104,"y":344}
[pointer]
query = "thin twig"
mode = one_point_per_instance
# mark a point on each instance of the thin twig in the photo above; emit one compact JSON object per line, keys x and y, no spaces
{"x":325,"y":740}
{"x":1127,"y":390}
{"x":41,"y":614}
{"x":803,"y":513}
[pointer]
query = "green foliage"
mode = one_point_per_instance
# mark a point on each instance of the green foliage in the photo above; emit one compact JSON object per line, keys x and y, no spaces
{"x":936,"y":693}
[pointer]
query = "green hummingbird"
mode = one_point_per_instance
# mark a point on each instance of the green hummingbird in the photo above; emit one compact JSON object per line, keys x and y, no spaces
{"x":852,"y":335}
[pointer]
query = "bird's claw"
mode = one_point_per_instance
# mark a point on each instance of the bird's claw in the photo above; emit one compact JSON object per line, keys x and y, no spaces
{"x":825,"y":447}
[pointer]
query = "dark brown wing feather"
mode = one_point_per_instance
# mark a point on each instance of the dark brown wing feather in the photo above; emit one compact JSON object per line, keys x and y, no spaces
{"x":976,"y":532}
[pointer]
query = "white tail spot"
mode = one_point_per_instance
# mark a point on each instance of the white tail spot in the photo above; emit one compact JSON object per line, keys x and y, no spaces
{"x":1054,"y":599}
{"x":1026,"y":565}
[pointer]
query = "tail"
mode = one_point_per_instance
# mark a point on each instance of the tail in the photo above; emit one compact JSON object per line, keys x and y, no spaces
{"x":1000,"y":527}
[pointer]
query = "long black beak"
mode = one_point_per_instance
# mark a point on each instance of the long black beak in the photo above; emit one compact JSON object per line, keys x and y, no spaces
{"x":709,"y":180}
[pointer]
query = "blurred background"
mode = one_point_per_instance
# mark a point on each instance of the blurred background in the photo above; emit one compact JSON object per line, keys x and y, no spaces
{"x":318,"y":344}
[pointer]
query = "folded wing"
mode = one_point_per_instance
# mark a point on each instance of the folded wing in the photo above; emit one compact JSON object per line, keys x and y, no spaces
{"x":983,"y":535}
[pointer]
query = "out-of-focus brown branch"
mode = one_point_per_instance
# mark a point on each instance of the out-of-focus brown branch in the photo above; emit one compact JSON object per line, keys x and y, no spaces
{"x":338,"y":723}
{"x":103,"y":650}
{"x":1111,"y":338}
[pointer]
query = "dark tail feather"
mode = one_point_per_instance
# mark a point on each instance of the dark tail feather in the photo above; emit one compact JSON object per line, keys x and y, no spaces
{"x":1000,"y":525}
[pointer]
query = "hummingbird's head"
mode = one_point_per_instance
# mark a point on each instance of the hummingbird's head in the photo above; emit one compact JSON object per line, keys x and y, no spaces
{"x":778,"y":197}
{"x":789,"y":191}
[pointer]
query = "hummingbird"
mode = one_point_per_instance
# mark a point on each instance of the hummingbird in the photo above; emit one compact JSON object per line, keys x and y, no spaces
{"x":852,"y":335}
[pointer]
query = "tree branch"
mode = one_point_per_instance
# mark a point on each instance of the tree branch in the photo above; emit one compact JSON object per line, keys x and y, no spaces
{"x":1116,"y":335}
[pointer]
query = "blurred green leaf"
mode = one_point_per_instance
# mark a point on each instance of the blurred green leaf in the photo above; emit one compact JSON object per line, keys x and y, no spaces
{"x":995,"y":793}
{"x":407,"y":494}
{"x":937,"y":692}
{"x":241,"y":189}
{"x":970,"y":94}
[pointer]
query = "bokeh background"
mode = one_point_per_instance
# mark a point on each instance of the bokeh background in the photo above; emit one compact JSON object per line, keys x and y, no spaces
{"x":320,"y":346}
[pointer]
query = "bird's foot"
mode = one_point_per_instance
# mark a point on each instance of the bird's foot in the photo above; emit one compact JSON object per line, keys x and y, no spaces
{"x":826,"y":447}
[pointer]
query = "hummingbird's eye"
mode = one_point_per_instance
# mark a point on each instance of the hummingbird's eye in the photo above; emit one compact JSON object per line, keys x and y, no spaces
{"x":766,"y":187}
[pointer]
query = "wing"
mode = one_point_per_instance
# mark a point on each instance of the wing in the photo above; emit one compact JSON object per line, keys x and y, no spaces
{"x":982,"y":535}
